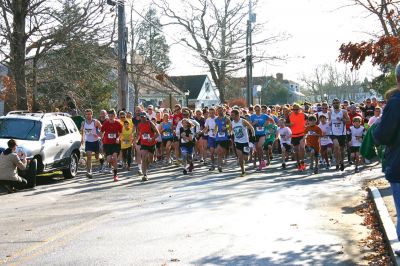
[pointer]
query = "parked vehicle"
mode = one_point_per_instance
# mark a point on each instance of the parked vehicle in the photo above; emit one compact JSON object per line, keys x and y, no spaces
{"x":51,"y":142}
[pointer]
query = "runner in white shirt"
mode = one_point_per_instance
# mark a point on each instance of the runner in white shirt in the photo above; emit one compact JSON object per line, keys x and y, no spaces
{"x":285,"y":136}
{"x":357,"y":134}
{"x":325,"y":141}
{"x":209,"y":127}
{"x":240,"y":129}
{"x":90,"y":132}
{"x":338,"y":119}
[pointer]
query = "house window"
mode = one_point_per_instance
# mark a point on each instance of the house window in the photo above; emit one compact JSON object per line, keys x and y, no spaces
{"x":207,"y":87}
{"x":207,"y":98}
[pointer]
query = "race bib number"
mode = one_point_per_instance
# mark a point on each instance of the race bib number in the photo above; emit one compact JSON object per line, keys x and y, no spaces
{"x":146,"y":136}
{"x":246,"y":149}
{"x":88,"y":131}
{"x":260,"y":129}
{"x":126,"y":142}
{"x":337,"y":125}
{"x":166,"y":134}
{"x":112,"y":136}
{"x":221,"y":134}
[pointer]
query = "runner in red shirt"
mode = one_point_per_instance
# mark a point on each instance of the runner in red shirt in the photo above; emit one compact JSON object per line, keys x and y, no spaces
{"x":111,"y":130}
{"x":148,"y":133}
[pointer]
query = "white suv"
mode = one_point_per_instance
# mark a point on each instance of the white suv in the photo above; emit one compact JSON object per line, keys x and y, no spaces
{"x":51,"y":141}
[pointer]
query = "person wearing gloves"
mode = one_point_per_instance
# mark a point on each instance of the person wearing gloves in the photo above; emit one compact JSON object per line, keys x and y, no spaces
{"x":10,"y":161}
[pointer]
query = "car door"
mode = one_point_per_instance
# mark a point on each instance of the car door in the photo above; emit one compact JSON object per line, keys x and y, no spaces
{"x":63,"y":143}
{"x":49,"y":146}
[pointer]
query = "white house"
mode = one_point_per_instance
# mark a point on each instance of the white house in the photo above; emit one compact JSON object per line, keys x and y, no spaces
{"x":198,"y":90}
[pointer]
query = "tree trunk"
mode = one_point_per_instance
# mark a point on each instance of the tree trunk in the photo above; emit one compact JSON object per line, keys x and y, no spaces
{"x":35,"y":104}
{"x":17,"y":52}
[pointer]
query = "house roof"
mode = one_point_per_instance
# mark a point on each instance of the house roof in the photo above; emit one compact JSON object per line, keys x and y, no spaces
{"x":193,"y":84}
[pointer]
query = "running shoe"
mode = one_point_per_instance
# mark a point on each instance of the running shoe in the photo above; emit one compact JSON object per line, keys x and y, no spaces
{"x":220,"y":169}
{"x":337,"y":167}
{"x":283,"y":165}
{"x":212,"y":168}
{"x":201,"y":161}
{"x":139,"y":172}
{"x":191,"y":167}
{"x":89,"y":175}
{"x":144,"y":178}
{"x":116,"y":178}
{"x":299,"y":167}
{"x":243,"y":174}
{"x":303,"y":166}
{"x":263,"y":163}
{"x":259,"y":168}
{"x":342,"y":167}
{"x":357,"y":170}
{"x":271,"y":158}
{"x":185,"y":172}
{"x":327,"y":166}
{"x":316,"y":170}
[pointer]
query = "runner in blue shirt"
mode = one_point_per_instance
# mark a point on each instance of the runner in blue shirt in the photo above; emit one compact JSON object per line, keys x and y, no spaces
{"x":258,"y":120}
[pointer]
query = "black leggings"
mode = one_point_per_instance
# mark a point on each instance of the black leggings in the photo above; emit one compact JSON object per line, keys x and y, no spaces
{"x":127,"y":155}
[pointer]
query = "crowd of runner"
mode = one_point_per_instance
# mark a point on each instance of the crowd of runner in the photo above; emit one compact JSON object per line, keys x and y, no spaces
{"x":325,"y":135}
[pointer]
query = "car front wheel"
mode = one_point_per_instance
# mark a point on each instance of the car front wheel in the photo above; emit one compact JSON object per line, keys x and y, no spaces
{"x":72,"y":169}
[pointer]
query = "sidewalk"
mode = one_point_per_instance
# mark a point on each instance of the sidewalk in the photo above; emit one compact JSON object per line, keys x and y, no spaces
{"x":381,"y":194}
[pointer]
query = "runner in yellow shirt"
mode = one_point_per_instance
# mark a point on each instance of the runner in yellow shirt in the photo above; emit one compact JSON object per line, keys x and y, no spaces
{"x":126,"y":138}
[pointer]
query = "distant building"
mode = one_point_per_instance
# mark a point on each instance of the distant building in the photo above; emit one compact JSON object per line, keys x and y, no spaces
{"x":198,"y":89}
{"x":356,"y":95}
{"x":259,"y":83}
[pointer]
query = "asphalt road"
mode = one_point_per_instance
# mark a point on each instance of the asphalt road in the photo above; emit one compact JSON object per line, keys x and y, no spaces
{"x":272,"y":217}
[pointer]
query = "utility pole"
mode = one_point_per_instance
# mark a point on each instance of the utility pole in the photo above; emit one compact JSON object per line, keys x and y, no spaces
{"x":122,"y":54}
{"x":249,"y":56}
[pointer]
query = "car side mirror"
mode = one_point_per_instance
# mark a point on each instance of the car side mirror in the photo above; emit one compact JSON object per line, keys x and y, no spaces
{"x":50,"y":136}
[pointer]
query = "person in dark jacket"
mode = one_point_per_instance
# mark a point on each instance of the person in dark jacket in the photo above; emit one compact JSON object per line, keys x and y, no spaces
{"x":387,"y":132}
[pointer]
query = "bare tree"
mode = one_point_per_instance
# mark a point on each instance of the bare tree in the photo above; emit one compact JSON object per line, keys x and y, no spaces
{"x":386,"y":11}
{"x":148,"y":52}
{"x":327,"y":79}
{"x":31,"y":28}
{"x":216,"y":32}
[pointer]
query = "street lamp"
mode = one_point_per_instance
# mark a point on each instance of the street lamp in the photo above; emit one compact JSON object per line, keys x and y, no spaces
{"x":259,"y":87}
{"x":187,"y":98}
{"x":325,"y":97}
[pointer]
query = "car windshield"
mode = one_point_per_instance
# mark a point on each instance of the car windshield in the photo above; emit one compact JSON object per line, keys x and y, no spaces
{"x":24,"y":129}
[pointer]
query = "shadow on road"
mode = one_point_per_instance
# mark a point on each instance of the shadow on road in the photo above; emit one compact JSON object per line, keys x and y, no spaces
{"x":309,"y":255}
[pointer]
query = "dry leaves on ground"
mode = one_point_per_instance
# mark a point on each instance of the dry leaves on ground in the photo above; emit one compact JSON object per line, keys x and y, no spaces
{"x":375,"y":241}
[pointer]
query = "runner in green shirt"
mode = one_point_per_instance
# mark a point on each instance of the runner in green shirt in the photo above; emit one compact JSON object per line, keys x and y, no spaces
{"x":271,"y":132}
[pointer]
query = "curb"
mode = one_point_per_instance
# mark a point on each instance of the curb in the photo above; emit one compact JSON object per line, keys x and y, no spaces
{"x":389,"y":228}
